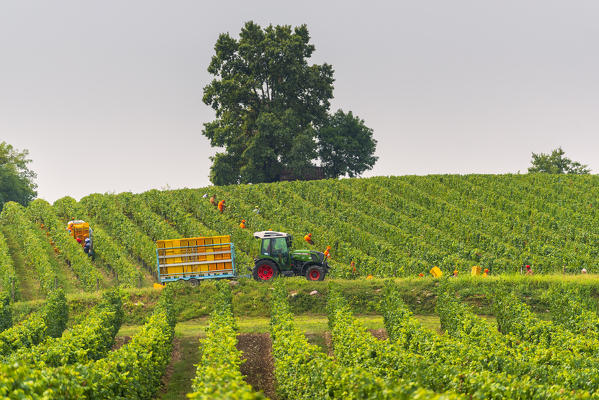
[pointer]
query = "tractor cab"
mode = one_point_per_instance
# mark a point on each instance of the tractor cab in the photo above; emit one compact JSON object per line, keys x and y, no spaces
{"x":276,"y":257}
{"x":275,"y":245}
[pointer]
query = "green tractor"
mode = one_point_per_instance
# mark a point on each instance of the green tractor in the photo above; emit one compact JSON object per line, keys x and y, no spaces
{"x":277,"y":258}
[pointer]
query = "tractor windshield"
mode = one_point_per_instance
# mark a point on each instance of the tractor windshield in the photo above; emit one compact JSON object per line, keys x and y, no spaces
{"x":265,"y":247}
{"x":279,"y":247}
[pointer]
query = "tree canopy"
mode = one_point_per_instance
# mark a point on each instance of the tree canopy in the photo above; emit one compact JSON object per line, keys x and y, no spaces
{"x":16,"y":179}
{"x":556,"y":163}
{"x":270,"y":106}
{"x":346,"y":146}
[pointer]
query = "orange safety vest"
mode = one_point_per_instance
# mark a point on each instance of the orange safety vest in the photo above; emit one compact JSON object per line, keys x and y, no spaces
{"x":242,"y":225}
{"x":307,"y":238}
{"x":221,"y":205}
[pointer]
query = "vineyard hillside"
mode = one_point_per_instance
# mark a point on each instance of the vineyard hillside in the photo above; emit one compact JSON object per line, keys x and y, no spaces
{"x":381,"y":226}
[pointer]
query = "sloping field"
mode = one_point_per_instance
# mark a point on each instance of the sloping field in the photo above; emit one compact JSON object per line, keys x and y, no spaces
{"x":388,"y":226}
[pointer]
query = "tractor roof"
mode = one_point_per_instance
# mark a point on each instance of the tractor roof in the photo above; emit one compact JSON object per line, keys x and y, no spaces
{"x":269,"y":234}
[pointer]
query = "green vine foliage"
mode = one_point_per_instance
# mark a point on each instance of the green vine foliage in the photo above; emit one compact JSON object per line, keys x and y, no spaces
{"x":132,"y":372}
{"x":15,"y":219}
{"x":106,"y":248}
{"x":304,"y":372}
{"x":51,"y":321}
{"x":105,"y":211}
{"x":218,"y":375}
{"x":89,"y":340}
{"x":516,"y":318}
{"x":555,"y":370}
{"x":425,"y":360}
{"x":43,"y":213}
{"x":571,"y":310}
{"x":8,"y":277}
{"x":56,"y":313}
{"x":5,"y":312}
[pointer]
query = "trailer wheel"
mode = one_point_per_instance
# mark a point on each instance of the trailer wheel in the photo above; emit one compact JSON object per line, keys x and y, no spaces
{"x":194,"y":282}
{"x":265,"y":271}
{"x":315,"y":273}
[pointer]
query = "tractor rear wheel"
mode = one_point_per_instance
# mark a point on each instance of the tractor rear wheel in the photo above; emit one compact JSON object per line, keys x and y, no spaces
{"x":315,"y":273}
{"x":265,"y":271}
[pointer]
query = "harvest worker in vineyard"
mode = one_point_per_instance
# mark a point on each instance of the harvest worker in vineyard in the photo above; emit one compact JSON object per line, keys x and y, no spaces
{"x":242,"y":224}
{"x":221,"y":206}
{"x":308,"y":238}
{"x":213,"y":200}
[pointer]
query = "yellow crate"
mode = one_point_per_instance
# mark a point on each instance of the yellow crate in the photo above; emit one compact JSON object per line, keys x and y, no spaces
{"x":436,"y":272}
{"x":476,"y":270}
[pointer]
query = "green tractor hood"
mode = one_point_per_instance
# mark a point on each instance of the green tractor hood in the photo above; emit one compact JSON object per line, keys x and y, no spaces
{"x":309,"y":255}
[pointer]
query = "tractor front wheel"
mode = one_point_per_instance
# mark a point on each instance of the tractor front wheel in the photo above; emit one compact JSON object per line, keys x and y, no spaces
{"x":315,"y":273}
{"x":265,"y":271}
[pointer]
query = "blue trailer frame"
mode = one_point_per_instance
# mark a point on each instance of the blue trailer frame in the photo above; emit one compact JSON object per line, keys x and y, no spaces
{"x":198,"y":275}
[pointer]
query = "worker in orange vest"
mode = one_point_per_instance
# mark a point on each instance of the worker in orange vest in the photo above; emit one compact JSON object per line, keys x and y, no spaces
{"x":327,"y":252}
{"x":352,"y":264}
{"x":221,"y":206}
{"x":308,"y":238}
{"x":213,"y":200}
{"x":242,"y":225}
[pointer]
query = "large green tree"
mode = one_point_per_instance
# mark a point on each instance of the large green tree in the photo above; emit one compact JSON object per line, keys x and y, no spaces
{"x":556,"y":163}
{"x":16,"y":179}
{"x":270,"y":105}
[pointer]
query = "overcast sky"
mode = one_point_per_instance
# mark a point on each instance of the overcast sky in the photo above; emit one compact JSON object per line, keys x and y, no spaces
{"x":107,"y":95}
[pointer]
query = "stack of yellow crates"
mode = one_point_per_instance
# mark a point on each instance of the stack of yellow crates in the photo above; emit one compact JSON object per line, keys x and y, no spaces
{"x":193,"y":255}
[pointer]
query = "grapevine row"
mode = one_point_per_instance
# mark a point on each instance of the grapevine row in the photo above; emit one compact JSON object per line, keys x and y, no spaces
{"x":304,"y":372}
{"x":8,"y":278}
{"x":132,"y":372}
{"x":51,"y":321}
{"x":34,"y":247}
{"x":504,"y":352}
{"x":218,"y":375}
{"x":89,"y":340}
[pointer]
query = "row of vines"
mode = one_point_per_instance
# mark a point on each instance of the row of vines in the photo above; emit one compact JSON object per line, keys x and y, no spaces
{"x":40,"y":359}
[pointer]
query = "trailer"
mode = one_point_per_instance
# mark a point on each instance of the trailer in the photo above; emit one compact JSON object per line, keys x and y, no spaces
{"x":195,"y":259}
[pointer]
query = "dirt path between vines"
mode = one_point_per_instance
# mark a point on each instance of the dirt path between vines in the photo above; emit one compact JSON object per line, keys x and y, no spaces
{"x":259,"y":367}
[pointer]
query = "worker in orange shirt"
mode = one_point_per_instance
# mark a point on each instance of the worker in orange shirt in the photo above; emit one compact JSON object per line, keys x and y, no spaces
{"x":221,"y":206}
{"x":242,"y":225}
{"x":327,"y":252}
{"x":308,"y":238}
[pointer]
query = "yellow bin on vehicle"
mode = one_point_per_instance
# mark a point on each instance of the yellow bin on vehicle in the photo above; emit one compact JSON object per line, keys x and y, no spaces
{"x":436,"y":272}
{"x":194,"y":257}
{"x":476,"y":270}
